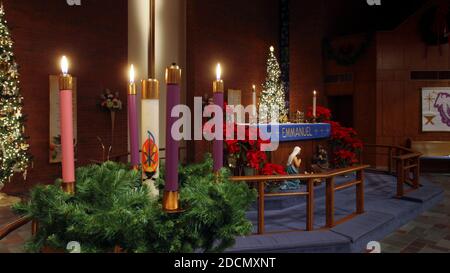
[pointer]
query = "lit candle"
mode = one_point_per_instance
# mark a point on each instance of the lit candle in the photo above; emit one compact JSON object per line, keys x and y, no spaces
{"x":218,"y":90}
{"x":133,"y":120}
{"x":66,"y":119}
{"x":254,"y":105}
{"x":171,"y":192}
{"x":315,"y":104}
{"x":150,"y":133}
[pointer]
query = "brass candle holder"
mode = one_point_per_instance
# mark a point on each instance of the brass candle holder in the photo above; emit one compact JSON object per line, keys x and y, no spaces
{"x":173,"y":74}
{"x":132,"y":89}
{"x":65,"y":82}
{"x":150,"y":89}
{"x":218,"y":86}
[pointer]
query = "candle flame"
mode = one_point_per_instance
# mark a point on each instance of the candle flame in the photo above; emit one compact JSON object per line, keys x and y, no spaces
{"x":315,"y":92}
{"x":132,"y":74}
{"x":64,"y":65}
{"x":219,"y":72}
{"x":254,"y":88}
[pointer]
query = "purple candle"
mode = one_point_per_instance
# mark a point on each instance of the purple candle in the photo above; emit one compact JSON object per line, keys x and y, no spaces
{"x":171,"y":195}
{"x":172,"y":146}
{"x":218,"y":89}
{"x":133,"y":121}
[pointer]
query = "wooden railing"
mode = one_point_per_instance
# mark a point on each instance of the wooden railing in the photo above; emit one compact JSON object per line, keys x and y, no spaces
{"x":404,"y":163}
{"x":331,"y":188}
{"x":8,"y":228}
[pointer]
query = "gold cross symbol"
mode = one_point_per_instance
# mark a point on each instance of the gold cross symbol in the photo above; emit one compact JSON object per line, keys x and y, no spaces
{"x":430,"y":100}
{"x":430,"y":119}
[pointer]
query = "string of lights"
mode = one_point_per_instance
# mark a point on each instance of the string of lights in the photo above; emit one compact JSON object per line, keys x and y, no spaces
{"x":14,"y":156}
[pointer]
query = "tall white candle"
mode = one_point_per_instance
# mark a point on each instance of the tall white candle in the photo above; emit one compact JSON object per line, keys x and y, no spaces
{"x":315,"y":104}
{"x":150,"y":134}
{"x":254,"y":104}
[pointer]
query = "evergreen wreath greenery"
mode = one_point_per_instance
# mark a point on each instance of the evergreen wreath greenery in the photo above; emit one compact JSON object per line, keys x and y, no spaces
{"x":346,"y":58}
{"x":431,"y":32}
{"x":112,"y":208}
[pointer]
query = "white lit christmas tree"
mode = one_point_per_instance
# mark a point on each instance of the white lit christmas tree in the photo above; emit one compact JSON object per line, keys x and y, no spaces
{"x":273,"y":96}
{"x":14,"y":156}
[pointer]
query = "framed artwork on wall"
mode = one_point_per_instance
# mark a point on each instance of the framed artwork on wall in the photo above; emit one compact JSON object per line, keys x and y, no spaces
{"x":435,"y":109}
{"x":55,"y":131}
{"x":235,"y":99}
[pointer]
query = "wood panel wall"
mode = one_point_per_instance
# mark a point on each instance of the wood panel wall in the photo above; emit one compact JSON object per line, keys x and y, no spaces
{"x":387,"y":102}
{"x":398,"y":97}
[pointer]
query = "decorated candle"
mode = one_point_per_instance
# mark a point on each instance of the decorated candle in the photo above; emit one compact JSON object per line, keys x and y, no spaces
{"x":133,"y":120}
{"x":218,"y":90}
{"x":150,"y":133}
{"x":66,"y":119}
{"x":171,"y":194}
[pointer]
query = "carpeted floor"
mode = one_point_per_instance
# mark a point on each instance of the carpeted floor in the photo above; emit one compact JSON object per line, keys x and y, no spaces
{"x":383,"y":215}
{"x":429,"y":232}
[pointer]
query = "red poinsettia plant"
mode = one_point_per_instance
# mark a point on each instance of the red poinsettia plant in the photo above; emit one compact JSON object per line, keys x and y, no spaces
{"x":323,"y":114}
{"x":345,"y":144}
{"x":248,"y":153}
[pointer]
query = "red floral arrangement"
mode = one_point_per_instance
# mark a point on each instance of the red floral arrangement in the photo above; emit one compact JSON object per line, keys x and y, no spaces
{"x":345,"y":144}
{"x":247,"y":152}
{"x":323,"y":114}
{"x":273,"y":169}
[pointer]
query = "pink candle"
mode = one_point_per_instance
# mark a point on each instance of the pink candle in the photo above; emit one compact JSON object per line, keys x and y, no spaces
{"x":66,"y":113}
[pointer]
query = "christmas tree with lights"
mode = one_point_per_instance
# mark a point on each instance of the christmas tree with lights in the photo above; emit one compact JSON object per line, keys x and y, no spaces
{"x":272,"y":95}
{"x":14,"y":156}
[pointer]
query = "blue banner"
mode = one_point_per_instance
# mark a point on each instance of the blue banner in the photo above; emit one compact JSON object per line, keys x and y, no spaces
{"x":296,"y":132}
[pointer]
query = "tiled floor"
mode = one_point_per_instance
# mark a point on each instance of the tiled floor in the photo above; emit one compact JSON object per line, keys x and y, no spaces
{"x":428,"y":233}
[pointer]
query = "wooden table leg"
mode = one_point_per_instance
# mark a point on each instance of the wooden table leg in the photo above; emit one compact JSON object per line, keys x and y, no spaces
{"x":330,"y":202}
{"x":310,"y":206}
